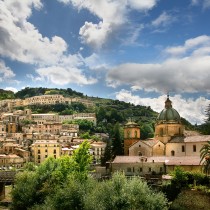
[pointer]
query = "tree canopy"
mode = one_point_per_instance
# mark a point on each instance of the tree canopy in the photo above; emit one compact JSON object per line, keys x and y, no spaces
{"x":35,"y":185}
{"x":205,"y":157}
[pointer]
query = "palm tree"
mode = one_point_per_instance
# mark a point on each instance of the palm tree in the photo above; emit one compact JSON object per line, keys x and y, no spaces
{"x":205,"y":155}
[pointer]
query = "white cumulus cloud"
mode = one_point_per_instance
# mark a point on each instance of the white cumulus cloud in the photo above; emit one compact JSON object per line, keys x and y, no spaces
{"x":163,"y":20}
{"x":5,"y":72}
{"x":12,"y":89}
{"x":187,"y":73}
{"x":20,"y":40}
{"x":204,"y":3}
{"x":62,"y":76}
{"x":112,"y":14}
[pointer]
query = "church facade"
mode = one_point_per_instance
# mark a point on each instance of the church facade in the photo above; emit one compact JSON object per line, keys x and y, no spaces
{"x":170,"y":147}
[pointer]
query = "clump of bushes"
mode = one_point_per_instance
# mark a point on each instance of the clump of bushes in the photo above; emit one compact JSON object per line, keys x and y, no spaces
{"x":185,"y":180}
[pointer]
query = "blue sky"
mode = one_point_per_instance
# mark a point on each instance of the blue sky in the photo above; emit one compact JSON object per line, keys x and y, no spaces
{"x":131,"y":50}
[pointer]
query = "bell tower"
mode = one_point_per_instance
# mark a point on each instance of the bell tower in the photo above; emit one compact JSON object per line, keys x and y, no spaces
{"x":131,"y":135}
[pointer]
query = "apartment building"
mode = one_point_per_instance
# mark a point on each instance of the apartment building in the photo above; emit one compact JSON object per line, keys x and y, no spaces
{"x":97,"y":150}
{"x":46,"y":127}
{"x":11,"y":160}
{"x":79,"y":116}
{"x":2,"y":128}
{"x":42,"y":149}
{"x":69,"y":130}
{"x":43,"y":118}
{"x":47,"y":100}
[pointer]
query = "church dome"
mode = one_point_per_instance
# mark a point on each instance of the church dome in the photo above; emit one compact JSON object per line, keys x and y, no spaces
{"x":168,"y":114}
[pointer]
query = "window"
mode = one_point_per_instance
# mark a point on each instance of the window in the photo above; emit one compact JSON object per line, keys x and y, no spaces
{"x":161,"y":131}
{"x":150,"y":169}
{"x":45,"y":156}
{"x":140,"y":169}
{"x":54,"y":151}
{"x":128,"y":169}
{"x":183,"y":148}
{"x":128,"y":134}
{"x":38,"y":156}
{"x":38,"y":151}
{"x":194,"y":148}
{"x":46,"y":150}
{"x":135,"y":134}
{"x":172,"y":153}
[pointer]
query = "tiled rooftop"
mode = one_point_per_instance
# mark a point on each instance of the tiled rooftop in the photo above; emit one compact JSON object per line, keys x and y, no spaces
{"x":184,"y":160}
{"x":201,"y":138}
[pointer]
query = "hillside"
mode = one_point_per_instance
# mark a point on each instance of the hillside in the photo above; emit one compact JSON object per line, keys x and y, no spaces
{"x":30,"y":92}
{"x":108,"y":111}
{"x":6,"y":94}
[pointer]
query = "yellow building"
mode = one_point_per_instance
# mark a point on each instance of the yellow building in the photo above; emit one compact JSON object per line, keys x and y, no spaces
{"x":43,"y":149}
{"x":98,"y":149}
{"x":12,"y":127}
{"x":131,"y":135}
{"x":43,"y":118}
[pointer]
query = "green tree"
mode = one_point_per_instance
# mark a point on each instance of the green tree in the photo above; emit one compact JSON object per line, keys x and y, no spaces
{"x":117,"y":141}
{"x":107,"y":154}
{"x":82,"y":159}
{"x":34,"y":187}
{"x":84,"y":125}
{"x":179,"y":177}
{"x":101,"y":114}
{"x":146,"y":131}
{"x":120,"y":193}
{"x":24,"y":192}
{"x":205,"y":157}
{"x":85,"y":135}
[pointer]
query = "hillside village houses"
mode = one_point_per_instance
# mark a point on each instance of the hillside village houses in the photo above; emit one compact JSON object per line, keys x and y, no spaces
{"x":45,"y":136}
{"x":48,"y":136}
{"x":171,"y":146}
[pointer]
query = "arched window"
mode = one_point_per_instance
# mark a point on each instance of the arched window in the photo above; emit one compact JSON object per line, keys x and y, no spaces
{"x":161,"y":131}
{"x":128,"y":134}
{"x":135,"y":134}
{"x":172,"y":153}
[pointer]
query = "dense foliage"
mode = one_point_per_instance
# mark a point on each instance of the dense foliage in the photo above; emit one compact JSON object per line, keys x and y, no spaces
{"x":30,"y":92}
{"x":34,"y":185}
{"x":118,"y":193}
{"x":191,"y":199}
{"x":183,"y":180}
{"x":65,"y":183}
{"x":117,"y":141}
{"x":205,"y":127}
{"x":205,"y":157}
{"x":6,"y":94}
